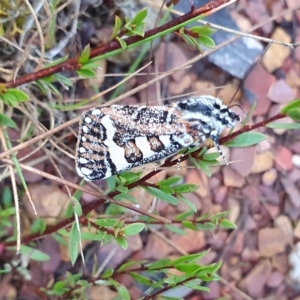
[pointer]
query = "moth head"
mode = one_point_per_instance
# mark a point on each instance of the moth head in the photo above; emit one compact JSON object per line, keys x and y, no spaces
{"x":230,"y":117}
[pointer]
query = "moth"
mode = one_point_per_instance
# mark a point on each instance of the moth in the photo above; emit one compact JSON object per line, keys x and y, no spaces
{"x":116,"y":138}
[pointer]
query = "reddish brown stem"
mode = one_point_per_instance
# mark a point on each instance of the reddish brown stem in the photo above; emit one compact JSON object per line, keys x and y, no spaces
{"x":72,"y":64}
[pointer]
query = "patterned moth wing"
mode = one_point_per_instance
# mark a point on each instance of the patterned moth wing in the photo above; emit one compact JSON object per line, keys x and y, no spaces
{"x":116,"y":138}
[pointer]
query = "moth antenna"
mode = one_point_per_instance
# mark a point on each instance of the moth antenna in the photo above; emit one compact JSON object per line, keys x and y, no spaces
{"x":239,"y":106}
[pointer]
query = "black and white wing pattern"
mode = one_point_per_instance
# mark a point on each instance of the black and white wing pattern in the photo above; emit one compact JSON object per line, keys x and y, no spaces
{"x":116,"y":138}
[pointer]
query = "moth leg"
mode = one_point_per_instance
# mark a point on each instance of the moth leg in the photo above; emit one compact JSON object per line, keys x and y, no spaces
{"x":215,"y":138}
{"x":155,"y":166}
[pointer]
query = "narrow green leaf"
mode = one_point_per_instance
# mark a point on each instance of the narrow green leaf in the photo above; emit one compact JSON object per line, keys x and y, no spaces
{"x":189,"y":258}
{"x":166,"y":189}
{"x":18,"y":94}
{"x":206,"y":41}
{"x":246,"y":139}
{"x":138,"y":30}
{"x":74,"y":243}
{"x":142,"y":279}
{"x":122,"y":242}
{"x":123,"y":196}
{"x":227,"y":224}
{"x":123,"y":292}
{"x":160,"y":264}
{"x":130,"y":264}
{"x":8,"y":122}
{"x":117,"y":27}
{"x":283,"y":125}
{"x":92,"y":236}
{"x":294,"y":114}
{"x":107,"y":273}
{"x":175,"y":229}
{"x":111,"y":182}
{"x":185,"y":188}
{"x":190,"y":204}
{"x":76,"y":206}
{"x":189,"y":225}
{"x":10,"y":99}
{"x":122,"y":189}
{"x":204,"y":167}
{"x":211,"y":156}
{"x":197,"y":287}
{"x":133,"y":229}
{"x":169,"y":181}
{"x":184,"y":215}
{"x":57,"y":61}
{"x":292,"y":105}
{"x":161,"y":195}
{"x":203,"y":30}
{"x":85,"y":55}
{"x":34,"y":254}
{"x":187,"y":268}
{"x":86,"y":73}
{"x":140,"y":16}
{"x":207,"y":226}
{"x":122,"y":43}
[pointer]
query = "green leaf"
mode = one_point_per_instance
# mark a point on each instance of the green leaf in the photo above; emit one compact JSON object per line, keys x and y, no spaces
{"x":63,"y":79}
{"x":74,"y":243}
{"x":283,"y":125}
{"x":185,"y":188}
{"x":10,"y":99}
{"x":76,"y":206}
{"x":246,"y":139}
{"x":122,"y":189}
{"x":117,"y":27}
{"x":111,"y":182}
{"x":39,"y":225}
{"x":86,"y":73}
{"x":92,"y":236}
{"x":122,"y":43}
{"x":57,"y":61}
{"x":203,"y":30}
{"x":189,"y":225}
{"x":140,"y":16}
{"x":138,"y":30}
{"x":175,"y":229}
{"x":204,"y":167}
{"x":122,"y":242}
{"x":123,"y":196}
{"x":34,"y":254}
{"x":130,"y":264}
{"x":207,"y":226}
{"x":107,"y":273}
{"x":85,"y":55}
{"x":227,"y":224}
{"x":161,"y":195}
{"x":133,"y":229}
{"x":166,"y":189}
{"x":184,"y":215}
{"x":8,"y":122}
{"x":160,"y":264}
{"x":18,"y":94}
{"x":292,"y":105}
{"x":197,"y":287}
{"x":142,"y":279}
{"x":189,"y":258}
{"x":190,"y":204}
{"x":211,"y":156}
{"x":169,"y":181}
{"x":92,"y":65}
{"x":187,"y":268}
{"x":206,"y":41}
{"x":294,"y":114}
{"x":123,"y":292}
